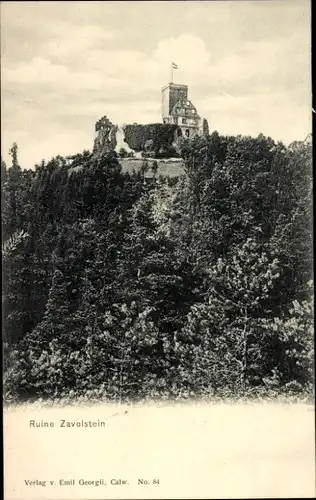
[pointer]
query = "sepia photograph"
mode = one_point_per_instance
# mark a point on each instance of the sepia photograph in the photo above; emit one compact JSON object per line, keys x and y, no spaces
{"x":157,"y":257}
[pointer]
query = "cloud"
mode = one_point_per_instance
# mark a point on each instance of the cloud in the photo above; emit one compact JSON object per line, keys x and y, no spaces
{"x":67,"y":141}
{"x":255,"y":114}
{"x":186,"y":50}
{"x":40,"y":71}
{"x":67,"y":42}
{"x":133,"y":70}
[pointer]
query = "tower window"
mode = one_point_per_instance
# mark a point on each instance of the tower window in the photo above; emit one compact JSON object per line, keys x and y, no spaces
{"x":184,"y":120}
{"x":187,"y":132}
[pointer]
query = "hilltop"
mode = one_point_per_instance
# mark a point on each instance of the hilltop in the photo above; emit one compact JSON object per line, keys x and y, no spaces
{"x":193,"y":287}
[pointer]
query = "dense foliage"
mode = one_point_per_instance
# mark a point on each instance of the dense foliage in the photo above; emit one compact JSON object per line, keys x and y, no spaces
{"x":116,"y":288}
{"x":155,"y":137}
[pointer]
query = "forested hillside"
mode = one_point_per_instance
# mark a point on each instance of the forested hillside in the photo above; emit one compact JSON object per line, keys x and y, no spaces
{"x":120,"y":289}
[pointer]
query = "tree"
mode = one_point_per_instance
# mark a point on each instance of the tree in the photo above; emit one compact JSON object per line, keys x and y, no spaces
{"x":14,"y":154}
{"x":205,"y":127}
{"x":123,"y":153}
{"x":116,"y":288}
{"x":13,"y":195}
{"x":144,"y":167}
{"x":219,"y":347}
{"x":154,"y":168}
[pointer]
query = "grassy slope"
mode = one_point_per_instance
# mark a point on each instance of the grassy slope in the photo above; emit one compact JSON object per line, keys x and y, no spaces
{"x":166,"y":168}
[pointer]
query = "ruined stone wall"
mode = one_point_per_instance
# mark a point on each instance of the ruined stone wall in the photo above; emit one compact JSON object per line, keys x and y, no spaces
{"x":105,"y":136}
{"x":157,"y":139}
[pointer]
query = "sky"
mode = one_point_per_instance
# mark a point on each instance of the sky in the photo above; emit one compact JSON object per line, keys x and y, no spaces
{"x":66,"y":64}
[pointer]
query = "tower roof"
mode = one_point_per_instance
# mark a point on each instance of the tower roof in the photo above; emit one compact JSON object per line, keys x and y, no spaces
{"x":184,"y":107}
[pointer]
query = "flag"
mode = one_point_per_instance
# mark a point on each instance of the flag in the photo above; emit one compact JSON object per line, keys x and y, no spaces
{"x":174,"y":66}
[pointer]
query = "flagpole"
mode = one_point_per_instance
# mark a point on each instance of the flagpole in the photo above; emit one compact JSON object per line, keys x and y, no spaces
{"x":171,"y":72}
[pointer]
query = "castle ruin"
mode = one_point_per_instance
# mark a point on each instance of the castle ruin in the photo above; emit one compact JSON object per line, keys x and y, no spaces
{"x":178,"y":114}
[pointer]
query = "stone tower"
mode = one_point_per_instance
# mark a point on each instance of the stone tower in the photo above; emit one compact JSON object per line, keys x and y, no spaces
{"x":105,"y":140}
{"x":177,"y":109}
{"x":171,"y":94}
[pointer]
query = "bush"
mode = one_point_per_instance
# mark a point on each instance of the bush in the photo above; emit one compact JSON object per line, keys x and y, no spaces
{"x":156,"y":136}
{"x":123,"y":153}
